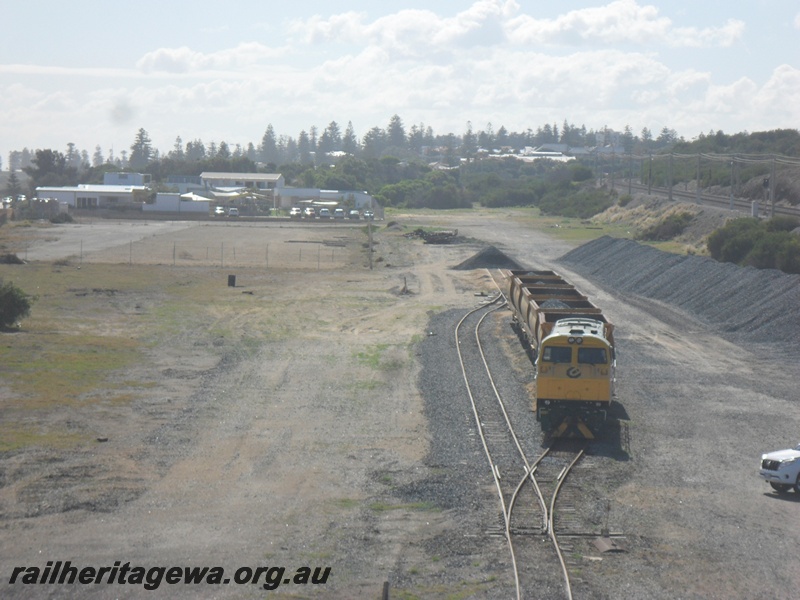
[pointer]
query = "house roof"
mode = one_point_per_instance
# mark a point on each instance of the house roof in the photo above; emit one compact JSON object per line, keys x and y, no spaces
{"x":96,"y":189}
{"x":212,"y":175}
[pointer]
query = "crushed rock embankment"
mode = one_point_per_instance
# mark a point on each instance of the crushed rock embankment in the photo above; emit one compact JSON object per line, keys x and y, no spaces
{"x":744,"y":304}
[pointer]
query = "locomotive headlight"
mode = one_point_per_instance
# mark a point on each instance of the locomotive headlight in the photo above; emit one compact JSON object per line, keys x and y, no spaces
{"x":578,"y":340}
{"x":571,"y":340}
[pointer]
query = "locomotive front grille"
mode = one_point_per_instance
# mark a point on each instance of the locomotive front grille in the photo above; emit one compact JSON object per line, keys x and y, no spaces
{"x":770,"y":465}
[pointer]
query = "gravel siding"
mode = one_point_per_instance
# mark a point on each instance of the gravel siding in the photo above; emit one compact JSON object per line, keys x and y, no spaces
{"x":746,"y":305}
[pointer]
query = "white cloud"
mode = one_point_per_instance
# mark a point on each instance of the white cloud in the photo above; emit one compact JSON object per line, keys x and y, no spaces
{"x":425,"y":35}
{"x":56,"y":71}
{"x":721,"y":37}
{"x":412,"y":32}
{"x":338,"y":28}
{"x":481,"y":24}
{"x":730,"y":98}
{"x":171,"y":60}
{"x":687,"y":83}
{"x":621,"y":21}
{"x":185,"y":60}
{"x":771,"y":98}
{"x":700,"y":105}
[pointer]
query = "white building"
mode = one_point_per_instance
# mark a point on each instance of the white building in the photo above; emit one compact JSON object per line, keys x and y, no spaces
{"x":177,"y":203}
{"x":252,"y":181}
{"x":97,"y":196}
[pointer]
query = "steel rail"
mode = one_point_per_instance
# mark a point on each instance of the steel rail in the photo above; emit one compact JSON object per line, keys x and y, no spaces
{"x":530,"y":469}
{"x":739,"y":203}
{"x":506,"y":514}
{"x":551,"y":528}
{"x":548,"y":513}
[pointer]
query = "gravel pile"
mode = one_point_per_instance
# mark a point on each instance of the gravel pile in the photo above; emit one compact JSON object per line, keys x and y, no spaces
{"x":488,"y":258}
{"x":744,"y":304}
{"x":554,"y":304}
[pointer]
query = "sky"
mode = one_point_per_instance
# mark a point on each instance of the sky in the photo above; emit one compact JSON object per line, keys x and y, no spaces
{"x":94,"y":73}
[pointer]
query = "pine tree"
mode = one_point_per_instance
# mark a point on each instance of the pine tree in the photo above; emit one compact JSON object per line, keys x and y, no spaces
{"x":141,"y":150}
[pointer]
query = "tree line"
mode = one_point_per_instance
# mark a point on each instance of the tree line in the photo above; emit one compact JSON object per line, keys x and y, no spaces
{"x":395,"y":139}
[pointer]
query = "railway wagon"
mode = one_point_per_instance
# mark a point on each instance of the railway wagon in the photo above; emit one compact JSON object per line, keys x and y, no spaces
{"x":573,"y":347}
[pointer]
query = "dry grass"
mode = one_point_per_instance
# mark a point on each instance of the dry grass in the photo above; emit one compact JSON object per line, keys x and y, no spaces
{"x":88,"y":327}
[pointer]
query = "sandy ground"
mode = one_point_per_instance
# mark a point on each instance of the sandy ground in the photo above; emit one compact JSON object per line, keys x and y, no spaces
{"x":238,"y":458}
{"x":286,"y":441}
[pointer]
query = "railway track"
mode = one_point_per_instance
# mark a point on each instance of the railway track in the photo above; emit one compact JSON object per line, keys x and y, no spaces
{"x":743,"y":205}
{"x":527,"y":490}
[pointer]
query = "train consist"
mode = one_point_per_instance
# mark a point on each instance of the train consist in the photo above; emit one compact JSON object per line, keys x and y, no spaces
{"x":573,"y":346}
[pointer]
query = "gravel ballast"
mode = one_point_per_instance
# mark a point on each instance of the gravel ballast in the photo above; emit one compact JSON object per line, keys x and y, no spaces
{"x":704,"y":387}
{"x":747,"y":305}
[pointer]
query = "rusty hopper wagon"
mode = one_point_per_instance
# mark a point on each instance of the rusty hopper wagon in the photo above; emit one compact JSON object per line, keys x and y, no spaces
{"x":573,"y":347}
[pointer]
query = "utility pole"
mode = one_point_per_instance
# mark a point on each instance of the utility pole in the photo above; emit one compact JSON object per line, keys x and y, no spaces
{"x":698,"y":179}
{"x":731,"y":195}
{"x":772,"y":189}
{"x":613,"y":155}
{"x":630,"y":171}
{"x":669,"y":177}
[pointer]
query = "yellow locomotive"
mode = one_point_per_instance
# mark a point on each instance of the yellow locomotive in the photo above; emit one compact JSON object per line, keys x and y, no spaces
{"x":573,"y":346}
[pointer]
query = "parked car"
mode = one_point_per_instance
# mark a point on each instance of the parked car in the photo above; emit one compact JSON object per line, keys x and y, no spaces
{"x":233,"y":212}
{"x":324,"y":213}
{"x":296,"y":213}
{"x":368,"y":215}
{"x":219,"y":211}
{"x":354,"y":214}
{"x":309,"y":212}
{"x":338,"y":213}
{"x":781,"y":469}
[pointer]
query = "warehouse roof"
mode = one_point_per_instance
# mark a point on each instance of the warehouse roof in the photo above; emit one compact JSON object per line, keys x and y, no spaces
{"x":241,"y":176}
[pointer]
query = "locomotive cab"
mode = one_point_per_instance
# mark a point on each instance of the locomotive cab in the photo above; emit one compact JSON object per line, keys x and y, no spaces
{"x":574,"y":376}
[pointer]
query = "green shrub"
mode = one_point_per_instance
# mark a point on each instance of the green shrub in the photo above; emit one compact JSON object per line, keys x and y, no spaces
{"x":736,"y":249}
{"x":668,"y":228}
{"x":764,"y":245}
{"x":575,"y":202}
{"x":738,"y":228}
{"x":788,"y":259}
{"x":775,"y":250}
{"x":782,"y":224}
{"x":14,"y":304}
{"x":62,"y":218}
{"x":581,"y":173}
{"x":624,"y":200}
